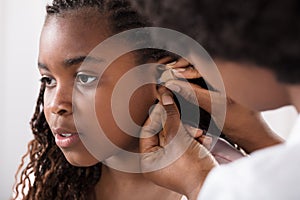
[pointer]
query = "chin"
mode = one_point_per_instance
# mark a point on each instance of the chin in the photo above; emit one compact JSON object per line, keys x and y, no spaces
{"x":80,"y":160}
{"x":82,"y":163}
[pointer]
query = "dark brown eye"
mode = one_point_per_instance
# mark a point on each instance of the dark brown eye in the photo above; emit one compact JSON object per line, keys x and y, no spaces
{"x":85,"y":79}
{"x":50,"y":82}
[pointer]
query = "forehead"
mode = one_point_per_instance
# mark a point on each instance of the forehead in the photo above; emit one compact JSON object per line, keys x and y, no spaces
{"x":89,"y":18}
{"x":78,"y":30}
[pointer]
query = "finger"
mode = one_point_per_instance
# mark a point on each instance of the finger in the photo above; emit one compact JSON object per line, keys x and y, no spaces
{"x":188,"y":72}
{"x":194,"y":132}
{"x":149,"y":140}
{"x":205,"y":141}
{"x":181,"y":63}
{"x":161,"y":89}
{"x":183,"y":69}
{"x":172,"y":120}
{"x":195,"y":94}
{"x":197,"y":133}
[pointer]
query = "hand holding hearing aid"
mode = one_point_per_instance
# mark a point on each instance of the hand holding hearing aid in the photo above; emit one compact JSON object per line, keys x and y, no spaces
{"x":157,"y":144}
{"x":251,"y":133}
{"x":222,"y":150}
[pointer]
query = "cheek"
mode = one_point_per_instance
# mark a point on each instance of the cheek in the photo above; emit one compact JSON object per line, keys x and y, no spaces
{"x":47,"y":104}
{"x":106,"y":119}
{"x":122,"y":121}
{"x":140,"y":103}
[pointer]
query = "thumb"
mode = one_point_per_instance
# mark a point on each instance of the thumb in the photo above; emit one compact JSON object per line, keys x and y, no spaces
{"x":171,"y":119}
{"x":149,"y":140}
{"x":163,"y":119}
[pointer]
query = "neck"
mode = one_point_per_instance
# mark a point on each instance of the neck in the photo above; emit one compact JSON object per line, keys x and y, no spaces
{"x":117,"y":185}
{"x":294,"y":95}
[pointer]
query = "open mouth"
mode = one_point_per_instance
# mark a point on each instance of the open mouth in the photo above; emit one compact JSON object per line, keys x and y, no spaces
{"x":65,"y":138}
{"x":66,"y":134}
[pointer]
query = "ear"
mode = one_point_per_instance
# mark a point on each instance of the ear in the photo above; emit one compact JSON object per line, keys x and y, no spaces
{"x":160,"y":71}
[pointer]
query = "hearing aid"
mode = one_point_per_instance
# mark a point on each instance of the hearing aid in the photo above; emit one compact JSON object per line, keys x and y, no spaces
{"x":166,"y":72}
{"x":222,"y":148}
{"x":167,"y":75}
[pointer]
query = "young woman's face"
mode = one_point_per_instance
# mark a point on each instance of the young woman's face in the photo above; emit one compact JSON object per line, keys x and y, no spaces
{"x":64,"y":44}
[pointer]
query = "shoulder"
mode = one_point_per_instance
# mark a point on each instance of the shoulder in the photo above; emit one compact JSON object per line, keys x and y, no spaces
{"x":272,"y":173}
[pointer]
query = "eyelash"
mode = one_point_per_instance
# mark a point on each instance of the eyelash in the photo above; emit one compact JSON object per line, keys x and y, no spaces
{"x":94,"y":78}
{"x":47,"y":80}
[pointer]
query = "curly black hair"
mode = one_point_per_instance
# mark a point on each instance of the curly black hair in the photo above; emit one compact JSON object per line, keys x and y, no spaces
{"x":261,"y":32}
{"x":47,"y":164}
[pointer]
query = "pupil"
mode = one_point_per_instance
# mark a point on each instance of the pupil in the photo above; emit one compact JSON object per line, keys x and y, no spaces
{"x":84,"y":79}
{"x":48,"y":81}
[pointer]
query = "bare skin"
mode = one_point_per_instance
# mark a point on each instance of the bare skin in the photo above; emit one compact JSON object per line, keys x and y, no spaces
{"x":183,"y":174}
{"x":64,"y":42}
{"x":250,"y":85}
{"x":259,"y":135}
{"x":197,"y":166}
{"x":251,"y":133}
{"x":247,"y":84}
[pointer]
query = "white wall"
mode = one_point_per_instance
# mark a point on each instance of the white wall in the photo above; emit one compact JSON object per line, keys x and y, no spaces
{"x":20,"y":25}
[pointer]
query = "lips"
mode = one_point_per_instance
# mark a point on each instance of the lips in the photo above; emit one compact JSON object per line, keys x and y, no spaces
{"x":65,"y":138}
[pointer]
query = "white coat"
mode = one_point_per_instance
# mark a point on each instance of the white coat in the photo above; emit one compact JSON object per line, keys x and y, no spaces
{"x":269,"y":174}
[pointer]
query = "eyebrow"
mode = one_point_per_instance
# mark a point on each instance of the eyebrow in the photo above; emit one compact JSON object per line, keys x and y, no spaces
{"x":74,"y":61}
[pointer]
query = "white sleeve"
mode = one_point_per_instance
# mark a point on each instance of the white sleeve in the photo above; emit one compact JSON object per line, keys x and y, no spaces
{"x":218,"y":185}
{"x":272,"y":173}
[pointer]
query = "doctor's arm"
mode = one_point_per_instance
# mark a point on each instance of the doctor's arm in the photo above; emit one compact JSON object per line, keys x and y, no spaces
{"x":243,"y":126}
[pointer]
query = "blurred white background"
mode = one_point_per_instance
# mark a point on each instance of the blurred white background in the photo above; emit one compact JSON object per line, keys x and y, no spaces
{"x":20,"y":26}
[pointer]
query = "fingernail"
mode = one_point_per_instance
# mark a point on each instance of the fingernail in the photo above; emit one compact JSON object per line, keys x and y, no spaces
{"x":173,"y":87}
{"x":207,"y":141}
{"x":198,"y":133}
{"x":169,"y":65}
{"x":167,"y":99}
{"x":194,"y":131}
{"x":179,"y":70}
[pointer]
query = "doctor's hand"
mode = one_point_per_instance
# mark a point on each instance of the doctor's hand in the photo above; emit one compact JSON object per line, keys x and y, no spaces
{"x":243,"y":126}
{"x":172,"y":156}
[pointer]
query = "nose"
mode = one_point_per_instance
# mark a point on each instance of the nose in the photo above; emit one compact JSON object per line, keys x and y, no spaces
{"x":62,"y":101}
